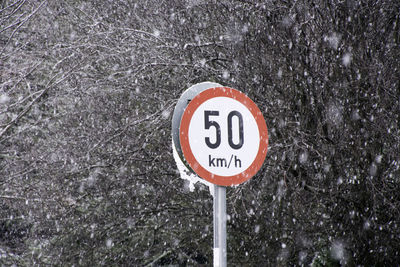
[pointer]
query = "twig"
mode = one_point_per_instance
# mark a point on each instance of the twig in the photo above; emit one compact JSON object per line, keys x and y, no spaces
{"x":12,"y":197}
{"x":22,"y":22}
{"x":44,"y":91}
{"x":121,"y":131}
{"x":158,"y":258}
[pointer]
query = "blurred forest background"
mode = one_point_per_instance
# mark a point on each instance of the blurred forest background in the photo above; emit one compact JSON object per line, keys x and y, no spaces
{"x":87,"y":90}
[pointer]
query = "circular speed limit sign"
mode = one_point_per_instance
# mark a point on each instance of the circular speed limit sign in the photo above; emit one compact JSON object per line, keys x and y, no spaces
{"x":223,"y":135}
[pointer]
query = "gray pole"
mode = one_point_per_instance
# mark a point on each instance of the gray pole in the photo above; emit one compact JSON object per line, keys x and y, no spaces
{"x":219,"y":226}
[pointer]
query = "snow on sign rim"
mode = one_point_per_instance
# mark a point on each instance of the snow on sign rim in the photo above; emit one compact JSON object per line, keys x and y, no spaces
{"x":223,"y":135}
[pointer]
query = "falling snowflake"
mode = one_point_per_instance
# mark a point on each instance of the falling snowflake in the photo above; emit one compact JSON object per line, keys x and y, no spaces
{"x":346,"y":59}
{"x":333,"y":40}
{"x":4,"y":99}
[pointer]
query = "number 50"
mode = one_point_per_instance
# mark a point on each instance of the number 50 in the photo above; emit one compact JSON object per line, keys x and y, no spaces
{"x":208,"y":123}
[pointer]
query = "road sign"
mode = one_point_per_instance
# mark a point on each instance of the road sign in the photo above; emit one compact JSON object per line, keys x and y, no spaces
{"x":180,"y":106}
{"x":223,"y":136}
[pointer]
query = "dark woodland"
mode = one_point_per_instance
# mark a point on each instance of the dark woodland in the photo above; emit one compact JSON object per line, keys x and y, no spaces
{"x":87,"y":92}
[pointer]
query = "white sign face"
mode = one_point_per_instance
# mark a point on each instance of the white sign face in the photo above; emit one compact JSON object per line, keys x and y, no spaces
{"x":224,"y":136}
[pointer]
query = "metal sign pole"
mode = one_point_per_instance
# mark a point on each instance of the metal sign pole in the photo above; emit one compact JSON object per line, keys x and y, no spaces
{"x":219,"y":226}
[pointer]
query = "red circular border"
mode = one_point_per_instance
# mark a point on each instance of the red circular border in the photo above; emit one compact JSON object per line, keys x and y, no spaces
{"x":184,"y":136}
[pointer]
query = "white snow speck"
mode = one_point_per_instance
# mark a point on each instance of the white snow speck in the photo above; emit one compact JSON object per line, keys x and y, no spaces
{"x":333,"y":40}
{"x":225,"y":74}
{"x":81,"y":187}
{"x":303,"y":157}
{"x":109,"y":243}
{"x":367,"y":225}
{"x":281,"y":191}
{"x":338,"y":251}
{"x":355,"y":115}
{"x":373,"y":169}
{"x":327,"y":167}
{"x":280,"y":73}
{"x":335,"y":114}
{"x":302,"y":257}
{"x":165,"y":114}
{"x":130,"y":223}
{"x":287,"y":21}
{"x":203,"y":62}
{"x":4,"y":99}
{"x":346,"y":59}
{"x":91,"y":180}
{"x":378,"y":159}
